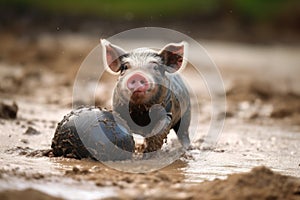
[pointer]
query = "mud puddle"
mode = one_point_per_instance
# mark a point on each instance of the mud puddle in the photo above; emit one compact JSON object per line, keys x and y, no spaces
{"x":244,"y":146}
{"x":262,"y":128}
{"x":241,"y":147}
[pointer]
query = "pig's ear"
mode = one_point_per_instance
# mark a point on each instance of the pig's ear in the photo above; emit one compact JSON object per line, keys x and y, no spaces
{"x":111,"y":56}
{"x":173,"y":56}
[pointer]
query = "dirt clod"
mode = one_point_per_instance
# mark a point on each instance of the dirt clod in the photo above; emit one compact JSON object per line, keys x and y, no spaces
{"x":8,"y":111}
{"x":25,"y":141}
{"x":31,"y":131}
{"x":260,"y":183}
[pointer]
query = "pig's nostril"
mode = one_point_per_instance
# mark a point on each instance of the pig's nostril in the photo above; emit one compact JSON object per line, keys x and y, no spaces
{"x":133,"y":82}
{"x":142,"y":82}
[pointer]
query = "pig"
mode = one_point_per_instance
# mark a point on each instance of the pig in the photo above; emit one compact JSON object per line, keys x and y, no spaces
{"x":150,"y":95}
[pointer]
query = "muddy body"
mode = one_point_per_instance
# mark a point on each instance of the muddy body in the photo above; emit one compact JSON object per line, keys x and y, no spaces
{"x":171,"y":104}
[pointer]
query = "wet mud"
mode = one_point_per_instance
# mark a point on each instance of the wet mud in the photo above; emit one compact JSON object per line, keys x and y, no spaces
{"x":261,"y":129}
{"x":8,"y":111}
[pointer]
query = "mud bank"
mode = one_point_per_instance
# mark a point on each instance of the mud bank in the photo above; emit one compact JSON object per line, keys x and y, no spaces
{"x":259,"y":183}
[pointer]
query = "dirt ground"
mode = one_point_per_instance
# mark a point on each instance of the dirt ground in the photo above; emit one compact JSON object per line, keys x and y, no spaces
{"x":262,"y":127}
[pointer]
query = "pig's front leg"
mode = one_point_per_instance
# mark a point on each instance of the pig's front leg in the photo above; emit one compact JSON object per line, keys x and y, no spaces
{"x":158,"y":134}
{"x":160,"y":120}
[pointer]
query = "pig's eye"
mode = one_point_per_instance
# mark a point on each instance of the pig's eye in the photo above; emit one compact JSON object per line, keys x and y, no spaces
{"x":155,"y":65}
{"x":123,"y":67}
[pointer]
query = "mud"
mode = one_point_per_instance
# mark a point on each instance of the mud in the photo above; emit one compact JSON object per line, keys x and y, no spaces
{"x":25,"y":194}
{"x":260,"y":183}
{"x":262,"y":127}
{"x":31,"y":131}
{"x":8,"y":111}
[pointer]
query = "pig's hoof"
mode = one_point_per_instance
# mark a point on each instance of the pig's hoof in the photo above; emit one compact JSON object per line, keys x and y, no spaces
{"x":92,"y":133}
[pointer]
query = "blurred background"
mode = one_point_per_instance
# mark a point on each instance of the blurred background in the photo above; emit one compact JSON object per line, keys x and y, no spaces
{"x":254,"y":41}
{"x":261,"y":21}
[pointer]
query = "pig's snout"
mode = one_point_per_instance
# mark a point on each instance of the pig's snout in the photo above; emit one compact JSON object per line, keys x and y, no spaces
{"x":138,"y":83}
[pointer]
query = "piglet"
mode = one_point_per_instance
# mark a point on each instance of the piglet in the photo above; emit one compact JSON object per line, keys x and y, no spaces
{"x":150,"y":95}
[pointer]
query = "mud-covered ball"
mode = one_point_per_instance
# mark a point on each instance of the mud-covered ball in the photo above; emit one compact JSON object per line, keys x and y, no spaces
{"x":91,"y":132}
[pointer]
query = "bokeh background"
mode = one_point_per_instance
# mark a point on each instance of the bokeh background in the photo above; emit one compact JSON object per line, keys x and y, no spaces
{"x":243,"y":37}
{"x":240,"y":20}
{"x":255,"y":43}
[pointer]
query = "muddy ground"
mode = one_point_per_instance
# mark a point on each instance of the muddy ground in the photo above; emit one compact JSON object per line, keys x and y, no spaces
{"x":262,"y":126}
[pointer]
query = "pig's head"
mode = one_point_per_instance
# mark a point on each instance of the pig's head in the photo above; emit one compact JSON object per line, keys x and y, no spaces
{"x":142,"y":72}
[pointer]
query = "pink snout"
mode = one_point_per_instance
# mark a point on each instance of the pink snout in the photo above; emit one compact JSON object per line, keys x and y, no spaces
{"x":138,"y":83}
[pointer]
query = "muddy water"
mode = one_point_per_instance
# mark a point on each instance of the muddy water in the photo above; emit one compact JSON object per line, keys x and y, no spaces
{"x":241,"y":146}
{"x":249,"y":138}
